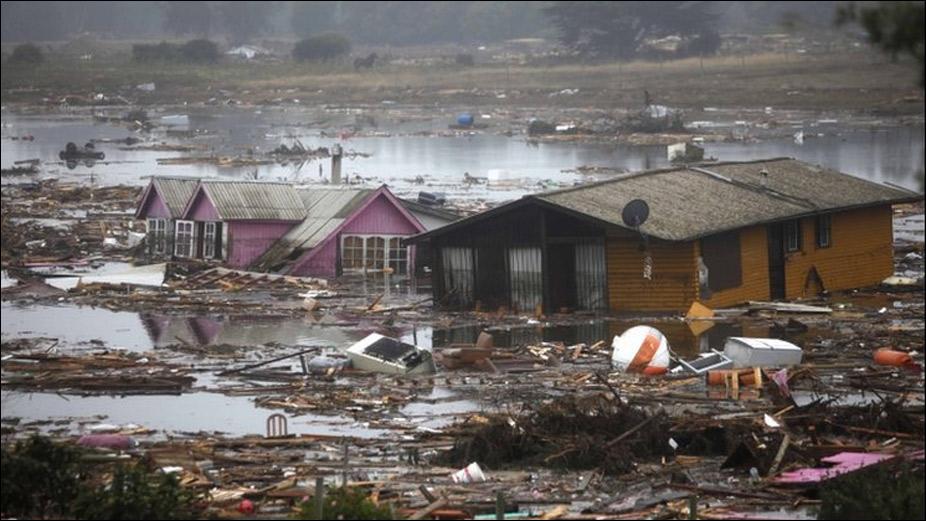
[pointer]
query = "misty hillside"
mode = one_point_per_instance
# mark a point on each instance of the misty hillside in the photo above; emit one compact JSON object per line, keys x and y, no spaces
{"x":392,"y":23}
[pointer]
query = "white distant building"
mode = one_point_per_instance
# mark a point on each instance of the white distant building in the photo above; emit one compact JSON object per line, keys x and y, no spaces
{"x":248,"y":52}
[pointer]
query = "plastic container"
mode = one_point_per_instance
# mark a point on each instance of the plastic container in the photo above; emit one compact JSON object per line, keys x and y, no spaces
{"x":472,"y":473}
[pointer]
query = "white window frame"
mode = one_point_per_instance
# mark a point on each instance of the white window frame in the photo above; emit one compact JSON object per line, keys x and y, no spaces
{"x":368,"y":254}
{"x":157,"y":233}
{"x":209,"y":235}
{"x":395,"y":262}
{"x":792,"y":233}
{"x":823,"y":231}
{"x":188,"y":236}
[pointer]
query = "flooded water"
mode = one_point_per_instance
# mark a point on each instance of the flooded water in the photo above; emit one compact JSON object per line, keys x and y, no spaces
{"x":512,"y":165}
{"x":191,"y":412}
{"x":80,"y":326}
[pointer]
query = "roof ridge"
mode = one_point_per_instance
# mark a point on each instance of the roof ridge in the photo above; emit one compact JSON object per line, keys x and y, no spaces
{"x":799,"y":201}
{"x":173,"y":177}
{"x":653,"y":171}
{"x":245,"y":182}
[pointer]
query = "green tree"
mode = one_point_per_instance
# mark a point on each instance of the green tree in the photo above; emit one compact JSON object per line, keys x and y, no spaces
{"x":200,"y":51}
{"x":345,"y":503}
{"x":26,"y":54}
{"x":40,"y":478}
{"x":135,"y":493}
{"x":618,"y":29}
{"x":324,"y":47}
{"x":893,"y":27}
{"x":882,"y":492}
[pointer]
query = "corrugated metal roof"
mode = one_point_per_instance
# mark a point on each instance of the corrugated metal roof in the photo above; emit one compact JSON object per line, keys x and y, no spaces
{"x":175,"y":192}
{"x":690,"y":202}
{"x":327,"y":208}
{"x":252,"y":200}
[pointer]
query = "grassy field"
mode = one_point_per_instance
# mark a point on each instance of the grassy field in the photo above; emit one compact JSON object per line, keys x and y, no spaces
{"x":854,"y":81}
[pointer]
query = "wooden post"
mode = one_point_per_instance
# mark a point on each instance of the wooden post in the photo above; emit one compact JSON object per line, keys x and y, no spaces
{"x":499,"y":505}
{"x":319,"y":498}
{"x":344,"y":463}
{"x":692,"y":507}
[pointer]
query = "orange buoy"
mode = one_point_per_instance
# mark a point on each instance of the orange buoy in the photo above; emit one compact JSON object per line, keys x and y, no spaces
{"x":652,"y":370}
{"x":888,"y":356}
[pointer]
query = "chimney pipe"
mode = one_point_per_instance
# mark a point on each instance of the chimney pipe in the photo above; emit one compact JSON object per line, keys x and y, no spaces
{"x":336,"y":164}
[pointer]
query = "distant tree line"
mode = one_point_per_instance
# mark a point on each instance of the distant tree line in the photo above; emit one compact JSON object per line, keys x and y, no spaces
{"x":620,"y":29}
{"x":194,"y":51}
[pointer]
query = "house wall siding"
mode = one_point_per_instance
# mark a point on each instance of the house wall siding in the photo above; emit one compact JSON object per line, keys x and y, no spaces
{"x":379,"y":217}
{"x":247,"y":240}
{"x":861,"y":252}
{"x":674,"y":283}
{"x":754,"y":267}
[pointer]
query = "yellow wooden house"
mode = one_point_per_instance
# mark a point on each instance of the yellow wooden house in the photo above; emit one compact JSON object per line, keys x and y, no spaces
{"x":717,"y":233}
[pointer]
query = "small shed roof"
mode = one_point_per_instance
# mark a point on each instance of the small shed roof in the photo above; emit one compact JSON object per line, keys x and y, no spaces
{"x":253,"y":200}
{"x":694,"y":201}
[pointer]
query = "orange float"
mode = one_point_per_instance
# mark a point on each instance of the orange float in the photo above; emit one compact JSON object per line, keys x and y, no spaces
{"x":888,"y":356}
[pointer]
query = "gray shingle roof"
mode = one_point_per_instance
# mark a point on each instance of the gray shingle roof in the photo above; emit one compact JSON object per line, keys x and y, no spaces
{"x":690,"y":202}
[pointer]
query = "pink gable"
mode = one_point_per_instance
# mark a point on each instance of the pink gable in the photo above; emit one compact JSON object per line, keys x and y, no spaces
{"x":201,"y":208}
{"x":152,"y":205}
{"x":382,"y":215}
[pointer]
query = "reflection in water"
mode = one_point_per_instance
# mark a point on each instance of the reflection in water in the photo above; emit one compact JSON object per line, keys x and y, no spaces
{"x":81,"y":325}
{"x":166,"y":330}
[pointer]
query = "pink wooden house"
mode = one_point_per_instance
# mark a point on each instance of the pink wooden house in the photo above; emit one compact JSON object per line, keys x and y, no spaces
{"x":275,"y":227}
{"x":162,"y":203}
{"x":236,"y":221}
{"x":346,"y":230}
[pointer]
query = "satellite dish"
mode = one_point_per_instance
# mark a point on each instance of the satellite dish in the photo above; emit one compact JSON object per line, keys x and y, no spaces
{"x":635,"y":213}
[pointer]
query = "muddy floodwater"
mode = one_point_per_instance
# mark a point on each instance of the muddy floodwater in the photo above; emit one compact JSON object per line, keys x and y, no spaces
{"x":397,"y":151}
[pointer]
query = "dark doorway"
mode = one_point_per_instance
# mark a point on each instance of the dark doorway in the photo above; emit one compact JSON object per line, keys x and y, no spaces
{"x":776,"y":261}
{"x":562,"y":269}
{"x":491,"y":277}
